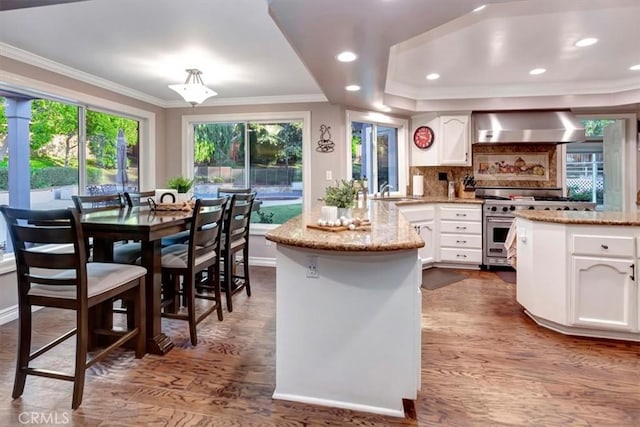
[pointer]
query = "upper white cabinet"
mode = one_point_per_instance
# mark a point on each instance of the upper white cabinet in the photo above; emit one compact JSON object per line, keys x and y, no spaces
{"x":451,"y":142}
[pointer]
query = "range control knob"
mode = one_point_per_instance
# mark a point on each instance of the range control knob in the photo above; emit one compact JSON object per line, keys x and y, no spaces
{"x":512,"y":208}
{"x":493,"y":208}
{"x":531,"y":208}
{"x":546,"y":209}
{"x":567,"y":208}
{"x":587,"y":209}
{"x":558,"y":209}
{"x":504,"y":209}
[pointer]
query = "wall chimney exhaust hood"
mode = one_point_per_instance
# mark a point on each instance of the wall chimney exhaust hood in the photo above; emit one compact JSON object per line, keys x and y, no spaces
{"x":549,"y":127}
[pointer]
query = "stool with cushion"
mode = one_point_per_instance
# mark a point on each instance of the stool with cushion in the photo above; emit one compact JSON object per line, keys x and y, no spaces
{"x":200,"y":253}
{"x":236,"y":240}
{"x":64,"y":279}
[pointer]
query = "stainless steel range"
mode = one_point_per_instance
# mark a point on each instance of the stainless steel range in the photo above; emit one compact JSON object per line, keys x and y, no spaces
{"x":498,"y":213}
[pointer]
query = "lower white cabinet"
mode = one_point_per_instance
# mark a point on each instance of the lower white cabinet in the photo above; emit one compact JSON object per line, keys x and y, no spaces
{"x":603,"y":293}
{"x":580,"y":279}
{"x":452,"y":232}
{"x":426,"y":230}
{"x":460,"y":233}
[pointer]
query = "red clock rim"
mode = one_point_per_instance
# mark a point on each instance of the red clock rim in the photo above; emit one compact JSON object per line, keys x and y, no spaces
{"x":418,"y":141}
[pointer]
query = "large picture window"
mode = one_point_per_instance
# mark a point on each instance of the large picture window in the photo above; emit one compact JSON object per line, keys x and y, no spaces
{"x":41,"y":143}
{"x":265,"y":155}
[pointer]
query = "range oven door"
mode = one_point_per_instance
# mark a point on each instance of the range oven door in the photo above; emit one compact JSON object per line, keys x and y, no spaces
{"x":496,"y":231}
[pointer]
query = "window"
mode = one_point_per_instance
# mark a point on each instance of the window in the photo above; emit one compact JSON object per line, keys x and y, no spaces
{"x":263,"y":154}
{"x":585,"y":164}
{"x":377,"y":150}
{"x":51,"y":160}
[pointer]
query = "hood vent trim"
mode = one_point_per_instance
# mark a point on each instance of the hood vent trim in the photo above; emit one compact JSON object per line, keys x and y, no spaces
{"x":547,"y":127}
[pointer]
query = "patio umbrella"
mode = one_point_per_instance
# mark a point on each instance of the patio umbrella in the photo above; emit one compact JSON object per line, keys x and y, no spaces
{"x":121,"y":160}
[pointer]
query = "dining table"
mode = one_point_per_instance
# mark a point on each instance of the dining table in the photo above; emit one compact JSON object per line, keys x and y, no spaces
{"x":148,"y":227}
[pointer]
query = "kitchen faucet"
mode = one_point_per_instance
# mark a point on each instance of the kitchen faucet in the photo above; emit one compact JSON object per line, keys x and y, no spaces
{"x":385,"y":188}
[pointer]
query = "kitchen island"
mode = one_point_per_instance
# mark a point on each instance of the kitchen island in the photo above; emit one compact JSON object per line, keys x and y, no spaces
{"x":577,"y":272}
{"x":348,"y":312}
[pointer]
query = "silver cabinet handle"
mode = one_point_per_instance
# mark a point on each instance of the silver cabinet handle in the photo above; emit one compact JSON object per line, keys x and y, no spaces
{"x":605,"y":246}
{"x":461,"y":228}
{"x":461,"y":256}
{"x":461,"y":241}
{"x":633,"y":271}
{"x":459,"y":214}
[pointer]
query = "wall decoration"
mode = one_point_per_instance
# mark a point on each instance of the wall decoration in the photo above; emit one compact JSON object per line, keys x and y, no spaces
{"x":325,"y":144}
{"x":423,"y":137}
{"x":513,"y":167}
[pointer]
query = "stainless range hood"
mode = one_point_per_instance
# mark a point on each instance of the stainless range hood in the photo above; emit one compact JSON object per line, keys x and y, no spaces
{"x":549,"y":127}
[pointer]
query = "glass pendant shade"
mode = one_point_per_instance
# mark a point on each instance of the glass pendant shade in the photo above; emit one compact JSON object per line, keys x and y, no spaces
{"x":193,"y":90}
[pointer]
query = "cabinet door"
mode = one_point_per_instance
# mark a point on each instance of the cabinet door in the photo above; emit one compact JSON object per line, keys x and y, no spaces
{"x":427,"y":232}
{"x":603,"y":292}
{"x":454,"y":145}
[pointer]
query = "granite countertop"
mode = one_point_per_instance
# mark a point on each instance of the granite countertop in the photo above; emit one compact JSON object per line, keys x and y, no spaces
{"x":582,"y":217}
{"x":389,"y":232}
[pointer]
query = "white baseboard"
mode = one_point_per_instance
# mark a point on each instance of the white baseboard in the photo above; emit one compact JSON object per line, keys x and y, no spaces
{"x":10,"y":314}
{"x":262,"y":261}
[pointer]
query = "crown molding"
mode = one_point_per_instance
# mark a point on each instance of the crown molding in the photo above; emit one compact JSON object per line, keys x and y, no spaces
{"x":55,"y":67}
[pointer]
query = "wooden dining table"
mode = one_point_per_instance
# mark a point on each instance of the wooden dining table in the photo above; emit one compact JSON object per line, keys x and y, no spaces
{"x":149,"y":227}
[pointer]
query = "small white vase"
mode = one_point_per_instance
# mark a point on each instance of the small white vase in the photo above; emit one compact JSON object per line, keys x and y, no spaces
{"x":345,"y":212}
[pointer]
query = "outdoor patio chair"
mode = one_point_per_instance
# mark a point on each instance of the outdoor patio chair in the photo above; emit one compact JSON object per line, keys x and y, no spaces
{"x":66,"y":280}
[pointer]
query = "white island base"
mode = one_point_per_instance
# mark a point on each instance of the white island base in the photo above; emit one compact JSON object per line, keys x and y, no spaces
{"x":349,"y":338}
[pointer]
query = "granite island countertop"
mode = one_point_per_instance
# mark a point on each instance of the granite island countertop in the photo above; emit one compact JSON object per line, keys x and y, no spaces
{"x":582,"y":217}
{"x":389,"y":232}
{"x":433,"y":199}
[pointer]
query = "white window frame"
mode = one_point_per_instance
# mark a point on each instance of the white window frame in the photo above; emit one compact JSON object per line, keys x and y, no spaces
{"x":379,"y":119}
{"x":305,"y":116}
{"x":147,"y":153}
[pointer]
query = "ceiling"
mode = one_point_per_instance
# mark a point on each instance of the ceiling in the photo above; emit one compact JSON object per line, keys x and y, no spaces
{"x":258,"y":51}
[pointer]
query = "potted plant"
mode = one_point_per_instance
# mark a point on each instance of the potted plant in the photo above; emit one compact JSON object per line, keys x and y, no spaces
{"x":182,"y":185}
{"x":342,"y":196}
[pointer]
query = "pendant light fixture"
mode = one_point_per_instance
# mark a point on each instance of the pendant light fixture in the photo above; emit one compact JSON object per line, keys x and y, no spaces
{"x":193,"y":90}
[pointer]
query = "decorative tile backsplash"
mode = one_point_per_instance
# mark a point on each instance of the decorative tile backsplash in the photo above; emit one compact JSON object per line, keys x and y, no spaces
{"x":434,"y":187}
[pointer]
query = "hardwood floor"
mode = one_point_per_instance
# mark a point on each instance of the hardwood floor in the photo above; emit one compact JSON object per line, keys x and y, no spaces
{"x":484,"y":363}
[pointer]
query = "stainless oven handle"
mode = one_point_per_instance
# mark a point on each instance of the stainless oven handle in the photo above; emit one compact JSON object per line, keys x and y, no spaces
{"x":500,"y":220}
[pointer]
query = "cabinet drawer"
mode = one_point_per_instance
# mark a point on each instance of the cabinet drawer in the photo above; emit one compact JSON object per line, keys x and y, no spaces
{"x":459,"y":213}
{"x":473,"y":241}
{"x":418,"y":213}
{"x":460,"y":227}
{"x":461,"y":255}
{"x":610,"y":246}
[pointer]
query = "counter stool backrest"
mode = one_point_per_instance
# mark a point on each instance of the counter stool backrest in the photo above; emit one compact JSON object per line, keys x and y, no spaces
{"x":86,"y":204}
{"x":137,"y":198}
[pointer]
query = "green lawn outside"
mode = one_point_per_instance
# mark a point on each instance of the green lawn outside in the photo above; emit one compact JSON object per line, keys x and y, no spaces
{"x":281,"y":213}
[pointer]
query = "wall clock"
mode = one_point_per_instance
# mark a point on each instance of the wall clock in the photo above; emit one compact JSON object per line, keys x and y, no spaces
{"x":423,"y":137}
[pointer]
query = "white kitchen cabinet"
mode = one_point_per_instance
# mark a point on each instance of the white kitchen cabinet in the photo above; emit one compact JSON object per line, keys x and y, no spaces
{"x":455,"y":143}
{"x":603,"y":293}
{"x":580,"y":279}
{"x":452,"y":141}
{"x":422,"y":218}
{"x":427,"y":253}
{"x":460,"y":234}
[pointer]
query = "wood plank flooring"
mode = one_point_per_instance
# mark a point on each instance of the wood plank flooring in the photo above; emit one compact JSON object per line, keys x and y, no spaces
{"x":484,"y":363}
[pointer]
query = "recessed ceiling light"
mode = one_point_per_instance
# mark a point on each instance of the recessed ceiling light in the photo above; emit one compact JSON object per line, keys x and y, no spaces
{"x":346,"y":56}
{"x":537,"y":71}
{"x":479,"y":8}
{"x":433,"y":76}
{"x":635,"y":67}
{"x":586,"y":42}
{"x":352,"y":88}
